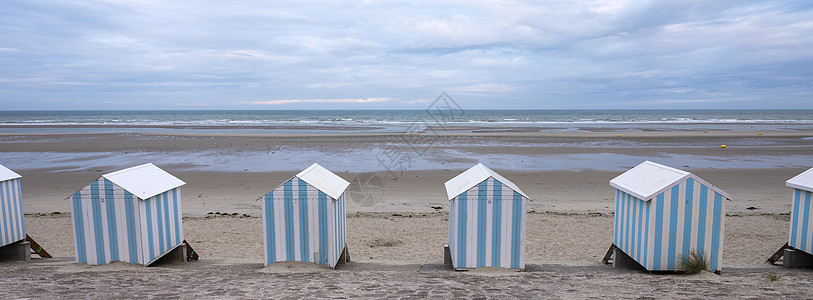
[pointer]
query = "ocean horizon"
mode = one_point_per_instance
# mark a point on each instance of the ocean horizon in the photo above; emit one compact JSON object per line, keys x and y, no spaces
{"x":438,"y":119}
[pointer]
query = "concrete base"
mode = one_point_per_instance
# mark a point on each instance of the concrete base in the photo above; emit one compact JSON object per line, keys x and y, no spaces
{"x":447,"y":262}
{"x":19,"y":251}
{"x":797,"y":259}
{"x":178,"y":254}
{"x":624,"y":261}
{"x":174,"y":256}
{"x":447,"y":256}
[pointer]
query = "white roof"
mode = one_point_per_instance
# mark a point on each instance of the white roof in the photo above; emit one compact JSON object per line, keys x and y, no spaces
{"x":144,"y":181}
{"x":324,"y":180}
{"x":802,"y":181}
{"x":472,"y":177}
{"x":6,"y":174}
{"x":649,"y":179}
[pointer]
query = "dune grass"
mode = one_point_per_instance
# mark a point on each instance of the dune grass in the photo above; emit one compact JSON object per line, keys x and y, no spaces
{"x":771,"y":277}
{"x":694,"y":262}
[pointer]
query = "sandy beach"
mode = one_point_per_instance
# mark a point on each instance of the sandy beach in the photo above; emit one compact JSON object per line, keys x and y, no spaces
{"x":144,"y":127}
{"x":396,"y":235}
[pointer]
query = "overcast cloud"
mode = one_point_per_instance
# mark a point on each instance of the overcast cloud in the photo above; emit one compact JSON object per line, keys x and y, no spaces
{"x":143,"y":54}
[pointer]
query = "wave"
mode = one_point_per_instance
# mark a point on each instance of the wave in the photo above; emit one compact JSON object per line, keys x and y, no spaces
{"x":376,"y":122}
{"x":401,"y":119}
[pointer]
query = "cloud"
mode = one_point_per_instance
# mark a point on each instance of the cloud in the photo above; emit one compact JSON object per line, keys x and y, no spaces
{"x":688,"y":101}
{"x":250,"y":55}
{"x":115,"y":41}
{"x":419,"y":101}
{"x":551,"y":54}
{"x":483,"y":88}
{"x":290,"y":101}
{"x":195,"y":104}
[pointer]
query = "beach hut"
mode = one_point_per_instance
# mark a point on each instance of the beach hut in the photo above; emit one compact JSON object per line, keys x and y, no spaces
{"x":304,"y":219}
{"x":132,"y":215}
{"x":12,"y":223}
{"x":801,"y":233}
{"x":662,"y":213}
{"x":486,"y":220}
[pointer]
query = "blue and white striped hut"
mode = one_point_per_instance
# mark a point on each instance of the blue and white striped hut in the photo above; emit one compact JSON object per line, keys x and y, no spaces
{"x":12,"y":221}
{"x":132,"y":215}
{"x":486,"y":220}
{"x":662,"y":213}
{"x":801,"y":227}
{"x":304,"y":219}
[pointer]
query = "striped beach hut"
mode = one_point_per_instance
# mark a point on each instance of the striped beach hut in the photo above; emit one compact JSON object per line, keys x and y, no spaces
{"x":12,"y":223}
{"x":486,"y":220}
{"x":662,"y":213}
{"x":304,"y":219}
{"x":801,"y":227}
{"x":132,"y":215}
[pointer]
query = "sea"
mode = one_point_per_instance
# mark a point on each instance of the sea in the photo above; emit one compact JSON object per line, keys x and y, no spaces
{"x":343,"y":121}
{"x":16,"y":123}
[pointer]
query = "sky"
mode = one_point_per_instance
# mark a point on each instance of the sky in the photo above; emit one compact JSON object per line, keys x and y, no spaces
{"x":569,"y":54}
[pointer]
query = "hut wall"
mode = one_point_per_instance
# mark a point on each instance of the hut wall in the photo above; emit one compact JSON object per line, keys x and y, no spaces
{"x":12,"y":221}
{"x":111,"y":224}
{"x":801,"y":227}
{"x":301,"y":223}
{"x":487,"y":227}
{"x":658,"y":232}
{"x":162,"y":221}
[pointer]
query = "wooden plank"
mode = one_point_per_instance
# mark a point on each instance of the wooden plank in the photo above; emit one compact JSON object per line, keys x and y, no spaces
{"x":609,"y":255}
{"x":190,"y":253}
{"x":37,"y":248}
{"x":778,"y":254}
{"x":344,"y":257}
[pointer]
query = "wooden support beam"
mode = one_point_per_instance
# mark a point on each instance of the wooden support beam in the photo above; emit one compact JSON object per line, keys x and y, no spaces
{"x":778,"y":254}
{"x":190,"y":253}
{"x":37,"y":248}
{"x":609,"y":255}
{"x":344,"y":257}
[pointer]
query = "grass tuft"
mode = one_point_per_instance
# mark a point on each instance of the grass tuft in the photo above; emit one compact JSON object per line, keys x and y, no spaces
{"x":695,"y":262}
{"x":771,"y":277}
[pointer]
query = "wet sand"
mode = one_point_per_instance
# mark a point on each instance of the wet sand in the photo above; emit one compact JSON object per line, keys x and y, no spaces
{"x":561,"y":173}
{"x":217,"y":279}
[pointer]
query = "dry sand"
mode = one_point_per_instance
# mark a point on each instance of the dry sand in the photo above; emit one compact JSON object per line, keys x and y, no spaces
{"x":552,"y":238}
{"x":563,"y":253}
{"x":216,"y":279}
{"x":396,"y":243}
